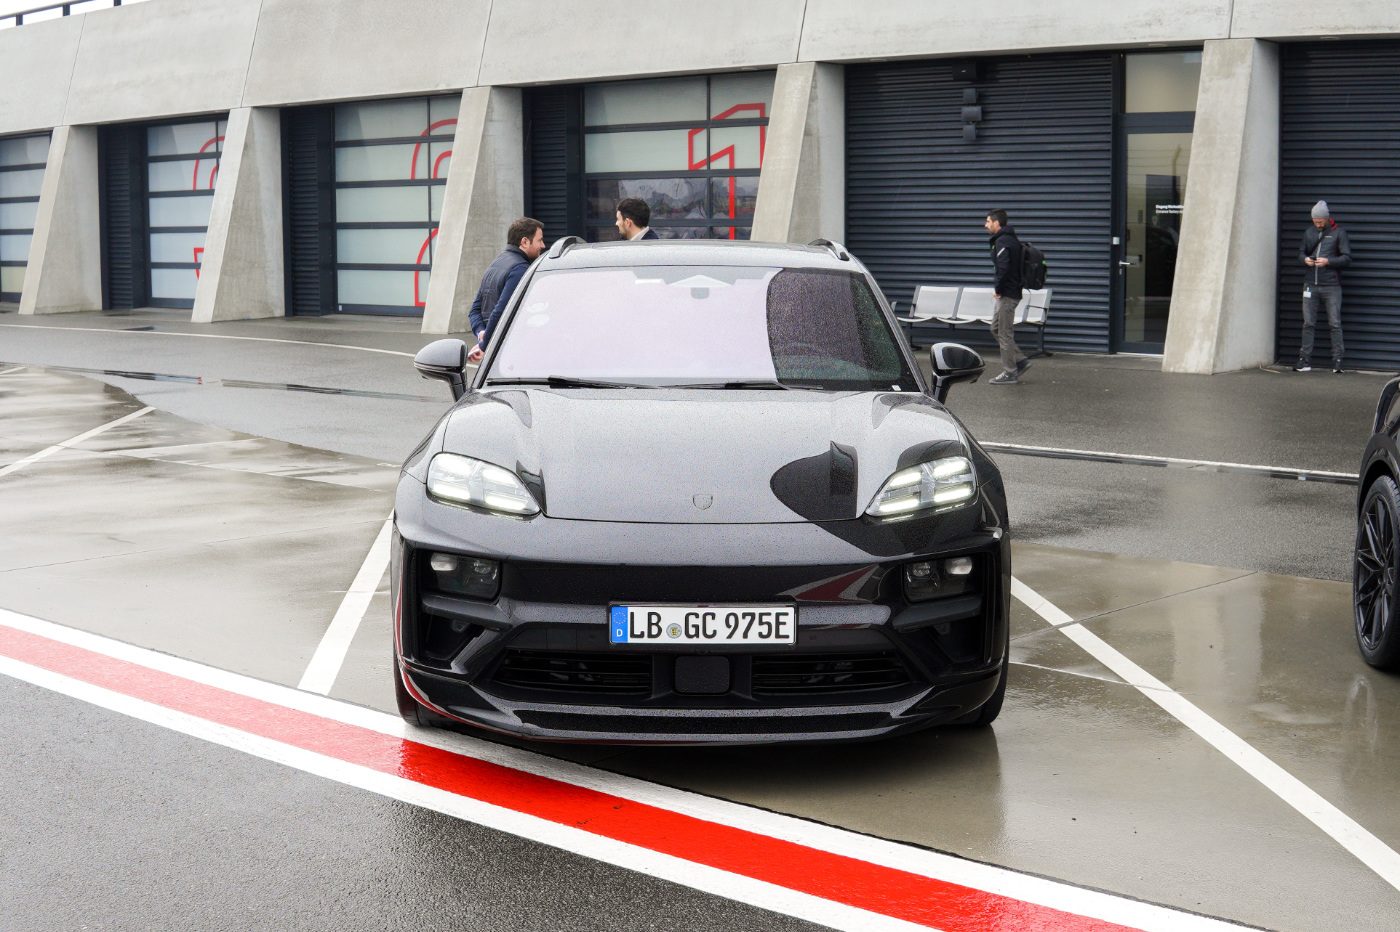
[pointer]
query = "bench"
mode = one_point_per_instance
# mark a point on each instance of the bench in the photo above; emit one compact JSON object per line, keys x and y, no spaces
{"x":953,"y":306}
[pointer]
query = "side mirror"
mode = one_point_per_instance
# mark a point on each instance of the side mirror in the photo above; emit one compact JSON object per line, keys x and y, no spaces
{"x":446,"y":360}
{"x":952,"y":363}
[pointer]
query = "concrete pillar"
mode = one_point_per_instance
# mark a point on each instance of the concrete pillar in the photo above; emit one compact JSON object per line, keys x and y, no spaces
{"x":1223,"y":297}
{"x":802,"y":187}
{"x":241,"y":274}
{"x":65,"y":256}
{"x":485,"y":192}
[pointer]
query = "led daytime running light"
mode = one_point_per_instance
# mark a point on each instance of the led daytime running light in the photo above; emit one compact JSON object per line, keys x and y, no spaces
{"x":942,"y":484}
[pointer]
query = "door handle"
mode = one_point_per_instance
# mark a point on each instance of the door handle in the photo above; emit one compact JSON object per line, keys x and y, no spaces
{"x":1124,"y":263}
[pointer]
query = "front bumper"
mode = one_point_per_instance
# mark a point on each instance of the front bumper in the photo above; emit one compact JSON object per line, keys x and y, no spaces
{"x":536,"y":661}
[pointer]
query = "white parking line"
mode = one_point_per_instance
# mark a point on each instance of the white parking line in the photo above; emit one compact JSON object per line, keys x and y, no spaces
{"x":8,"y":371}
{"x":335,"y":643}
{"x":1150,"y":460}
{"x":1364,"y":846}
{"x":67,"y":444}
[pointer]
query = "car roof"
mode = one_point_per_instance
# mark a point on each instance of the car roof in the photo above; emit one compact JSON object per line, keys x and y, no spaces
{"x":581,"y":255}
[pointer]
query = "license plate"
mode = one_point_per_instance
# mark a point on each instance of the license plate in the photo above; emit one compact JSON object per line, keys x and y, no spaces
{"x":702,"y":624}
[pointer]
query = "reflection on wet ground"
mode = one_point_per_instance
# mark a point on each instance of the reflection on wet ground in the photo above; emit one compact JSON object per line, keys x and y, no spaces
{"x":236,"y":551}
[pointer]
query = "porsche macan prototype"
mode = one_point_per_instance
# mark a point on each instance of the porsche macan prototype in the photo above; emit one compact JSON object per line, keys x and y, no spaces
{"x":699,"y":492}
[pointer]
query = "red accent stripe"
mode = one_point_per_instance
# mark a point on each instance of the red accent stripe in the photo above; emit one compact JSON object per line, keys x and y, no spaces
{"x":834,"y":877}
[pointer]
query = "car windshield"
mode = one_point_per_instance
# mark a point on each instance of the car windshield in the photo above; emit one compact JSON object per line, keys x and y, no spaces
{"x":702,"y":326}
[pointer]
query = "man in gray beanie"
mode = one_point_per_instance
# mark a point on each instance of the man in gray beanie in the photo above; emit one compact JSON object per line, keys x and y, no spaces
{"x":1326,"y":250}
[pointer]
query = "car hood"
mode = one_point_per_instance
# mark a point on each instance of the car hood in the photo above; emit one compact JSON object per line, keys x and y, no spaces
{"x":702,"y":457}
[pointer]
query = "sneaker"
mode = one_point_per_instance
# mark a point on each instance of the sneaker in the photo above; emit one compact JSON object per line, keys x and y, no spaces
{"x":1005,"y":378}
{"x":1302,"y":366}
{"x":1022,"y":366}
{"x":1337,"y":366}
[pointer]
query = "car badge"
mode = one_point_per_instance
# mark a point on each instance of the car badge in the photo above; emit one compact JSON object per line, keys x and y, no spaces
{"x":702,"y":501}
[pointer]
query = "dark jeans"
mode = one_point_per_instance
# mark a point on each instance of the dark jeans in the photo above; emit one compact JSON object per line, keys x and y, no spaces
{"x":1330,"y":297}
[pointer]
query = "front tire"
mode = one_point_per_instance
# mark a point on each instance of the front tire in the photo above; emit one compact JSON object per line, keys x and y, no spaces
{"x":1375,"y":573}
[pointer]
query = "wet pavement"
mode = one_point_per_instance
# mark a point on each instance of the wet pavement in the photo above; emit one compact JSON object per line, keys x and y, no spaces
{"x":192,"y":535}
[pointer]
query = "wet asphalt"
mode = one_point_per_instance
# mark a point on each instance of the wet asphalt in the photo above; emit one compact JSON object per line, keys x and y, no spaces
{"x":226,"y":526}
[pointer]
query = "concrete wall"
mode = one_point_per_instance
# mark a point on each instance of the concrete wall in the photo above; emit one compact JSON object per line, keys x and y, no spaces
{"x":65,"y":260}
{"x":1223,"y":297}
{"x":802,"y":188}
{"x":241,"y":274}
{"x":171,"y":58}
{"x":324,"y":50}
{"x":485,"y":192}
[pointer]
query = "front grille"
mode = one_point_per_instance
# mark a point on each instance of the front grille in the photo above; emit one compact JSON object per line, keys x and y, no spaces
{"x":789,"y":675}
{"x":576,"y":672}
{"x":683,"y":724}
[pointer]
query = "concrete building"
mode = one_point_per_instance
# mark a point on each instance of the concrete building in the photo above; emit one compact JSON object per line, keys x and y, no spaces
{"x":360,"y":156}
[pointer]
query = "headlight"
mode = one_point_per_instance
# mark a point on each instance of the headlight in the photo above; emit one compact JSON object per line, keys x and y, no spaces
{"x":942,"y":484}
{"x":461,"y":480}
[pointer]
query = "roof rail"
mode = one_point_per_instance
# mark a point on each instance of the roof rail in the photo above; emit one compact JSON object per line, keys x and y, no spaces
{"x":563,"y":244}
{"x":836,"y":249}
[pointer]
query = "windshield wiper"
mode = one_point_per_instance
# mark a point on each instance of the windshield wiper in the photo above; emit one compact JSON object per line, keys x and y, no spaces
{"x":564,"y":381}
{"x":750,"y":384}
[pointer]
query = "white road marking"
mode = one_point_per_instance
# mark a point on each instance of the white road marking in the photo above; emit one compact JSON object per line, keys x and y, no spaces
{"x":1173,"y":460}
{"x":68,"y":444}
{"x":335,"y":643}
{"x":15,"y":369}
{"x":1364,"y":846}
{"x":211,"y":336}
{"x":918,"y":861}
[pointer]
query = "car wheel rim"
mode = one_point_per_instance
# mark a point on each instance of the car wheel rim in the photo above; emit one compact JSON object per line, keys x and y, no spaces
{"x":1375,"y":573}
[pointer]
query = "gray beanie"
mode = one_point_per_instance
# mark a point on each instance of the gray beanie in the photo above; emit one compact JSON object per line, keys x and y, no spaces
{"x":1320,"y":211}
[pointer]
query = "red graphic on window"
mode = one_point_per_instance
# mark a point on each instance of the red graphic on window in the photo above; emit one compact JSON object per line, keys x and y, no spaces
{"x":420,"y":299}
{"x":728,"y":152}
{"x":194,"y":185}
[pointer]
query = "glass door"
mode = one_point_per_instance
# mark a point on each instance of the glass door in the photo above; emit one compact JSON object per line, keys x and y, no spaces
{"x":1154,"y":193}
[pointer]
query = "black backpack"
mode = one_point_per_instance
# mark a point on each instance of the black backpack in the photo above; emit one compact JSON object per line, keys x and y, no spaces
{"x":1033,"y":267}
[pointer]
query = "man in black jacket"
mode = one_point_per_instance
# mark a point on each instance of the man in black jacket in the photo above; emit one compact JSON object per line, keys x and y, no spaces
{"x":1006,"y":258}
{"x":1326,"y":250}
{"x":634,"y":219}
{"x":524,"y":243}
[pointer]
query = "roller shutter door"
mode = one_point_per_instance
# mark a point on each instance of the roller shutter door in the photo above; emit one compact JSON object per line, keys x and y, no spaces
{"x":1340,"y":142}
{"x":552,"y":161}
{"x":916,"y":192}
{"x":309,"y":217}
{"x":121,"y":155}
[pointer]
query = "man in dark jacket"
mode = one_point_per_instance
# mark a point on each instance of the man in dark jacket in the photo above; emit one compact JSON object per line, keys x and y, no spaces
{"x":1326,"y":250}
{"x":525,"y":242}
{"x":1006,"y":258}
{"x":634,"y":219}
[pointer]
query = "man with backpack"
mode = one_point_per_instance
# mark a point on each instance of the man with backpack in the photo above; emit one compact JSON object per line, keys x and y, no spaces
{"x":1007,"y":259}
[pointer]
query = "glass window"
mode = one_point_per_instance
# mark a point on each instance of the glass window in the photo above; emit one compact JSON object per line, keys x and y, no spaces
{"x":382,"y":247}
{"x":362,"y":198}
{"x":1158,"y":82}
{"x":382,"y":289}
{"x":181,"y":211}
{"x":713,"y":164}
{"x":183,"y":175}
{"x":21,"y":183}
{"x":173,"y":284}
{"x":381,"y":205}
{"x":11,"y":279}
{"x":381,"y":119}
{"x":177,"y":247}
{"x":18,"y":216}
{"x":26,"y":150}
{"x":16,"y":246}
{"x":650,"y":151}
{"x":741,"y":96}
{"x":670,"y":100}
{"x":184,"y":138}
{"x":684,"y":324}
{"x":375,"y":163}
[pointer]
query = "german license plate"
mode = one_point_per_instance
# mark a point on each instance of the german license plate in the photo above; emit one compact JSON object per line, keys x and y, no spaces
{"x":702,"y":624}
